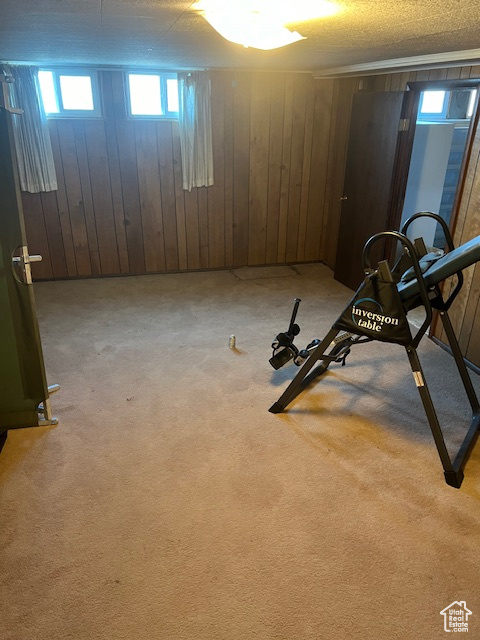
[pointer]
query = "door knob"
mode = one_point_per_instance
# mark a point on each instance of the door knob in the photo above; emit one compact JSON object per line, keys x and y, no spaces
{"x":344,"y":198}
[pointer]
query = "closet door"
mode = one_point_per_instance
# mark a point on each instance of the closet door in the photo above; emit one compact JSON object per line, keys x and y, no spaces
{"x":374,"y":131}
{"x":23,"y":387}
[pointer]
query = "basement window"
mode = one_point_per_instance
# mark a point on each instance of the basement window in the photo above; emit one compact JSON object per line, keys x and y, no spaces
{"x":457,"y":104}
{"x":152,"y":95}
{"x":71,"y":93}
{"x":433,"y":105}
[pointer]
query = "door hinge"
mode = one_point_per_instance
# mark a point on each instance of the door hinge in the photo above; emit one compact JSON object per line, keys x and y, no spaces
{"x":404,"y":124}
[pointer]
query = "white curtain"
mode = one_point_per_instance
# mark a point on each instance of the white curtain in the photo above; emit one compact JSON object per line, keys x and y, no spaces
{"x":195,"y":121}
{"x":32,"y":140}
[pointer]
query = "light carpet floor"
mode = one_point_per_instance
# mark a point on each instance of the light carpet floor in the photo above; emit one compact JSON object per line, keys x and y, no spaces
{"x":169,"y":504}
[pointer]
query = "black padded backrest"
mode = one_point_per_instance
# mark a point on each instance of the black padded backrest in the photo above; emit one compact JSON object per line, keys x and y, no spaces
{"x":451,"y":263}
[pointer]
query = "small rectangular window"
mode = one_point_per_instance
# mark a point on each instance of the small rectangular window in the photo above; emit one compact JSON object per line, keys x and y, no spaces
{"x":145,"y":95}
{"x":69,"y":93}
{"x":457,"y":104}
{"x":433,"y":102}
{"x":152,"y":95}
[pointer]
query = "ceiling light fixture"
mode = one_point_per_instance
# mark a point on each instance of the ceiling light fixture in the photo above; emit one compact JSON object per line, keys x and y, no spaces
{"x":261,"y":23}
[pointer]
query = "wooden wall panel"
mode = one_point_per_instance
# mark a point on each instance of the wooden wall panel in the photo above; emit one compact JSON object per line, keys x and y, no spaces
{"x":167,"y":185}
{"x":86,"y":198}
{"x":285,"y":164}
{"x":321,"y":135}
{"x":193,"y":231}
{"x":120,"y":207}
{"x":49,"y":205}
{"x":62,"y":207}
{"x":123,"y":131}
{"x":35,"y":221}
{"x":179,"y":201}
{"x":300,"y":83}
{"x":108,"y":241}
{"x":463,"y":313}
{"x":306,"y":170}
{"x":241,"y":165}
{"x":150,"y":195}
{"x":115,"y":178}
{"x":203,"y":227}
{"x":216,"y":193}
{"x":258,"y":176}
{"x":73,"y":191}
{"x":275,"y":146}
{"x":227,"y":161}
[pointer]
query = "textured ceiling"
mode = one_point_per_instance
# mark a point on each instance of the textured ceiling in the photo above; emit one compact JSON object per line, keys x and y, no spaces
{"x":168,"y":34}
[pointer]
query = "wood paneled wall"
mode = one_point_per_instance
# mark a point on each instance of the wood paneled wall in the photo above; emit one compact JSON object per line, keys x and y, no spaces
{"x":279,"y":156}
{"x":120,"y":207}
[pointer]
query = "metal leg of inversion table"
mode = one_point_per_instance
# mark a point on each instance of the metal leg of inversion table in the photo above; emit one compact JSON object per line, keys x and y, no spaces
{"x":453,"y":476}
{"x":453,"y":470}
{"x":462,"y":369}
{"x":472,"y":435}
{"x":301,"y":379}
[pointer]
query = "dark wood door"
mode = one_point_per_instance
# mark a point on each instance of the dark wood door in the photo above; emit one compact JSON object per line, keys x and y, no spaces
{"x":372,"y":146}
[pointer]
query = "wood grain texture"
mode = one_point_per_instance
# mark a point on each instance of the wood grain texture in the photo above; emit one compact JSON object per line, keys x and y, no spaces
{"x":283,"y":208}
{"x":192,"y":227}
{"x":34,"y":220}
{"x":280,"y":143}
{"x":275,"y":145}
{"x":241,"y":165}
{"x":227,"y":85}
{"x":74,"y":196}
{"x":258,"y":176}
{"x":124,"y":133}
{"x":150,"y":196}
{"x":306,"y":168}
{"x":179,"y":200}
{"x":121,"y":209}
{"x":203,"y":227}
{"x":321,"y":135}
{"x":86,"y":196}
{"x":167,"y":186}
{"x":115,"y":176}
{"x":101,"y":186}
{"x":62,"y":206}
{"x":53,"y":230}
{"x":300,"y":83}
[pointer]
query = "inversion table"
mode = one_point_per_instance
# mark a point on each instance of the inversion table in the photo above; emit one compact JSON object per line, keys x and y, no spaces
{"x":415,"y":281}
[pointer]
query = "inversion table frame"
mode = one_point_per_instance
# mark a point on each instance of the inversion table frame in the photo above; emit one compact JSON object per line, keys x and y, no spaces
{"x":422,"y":290}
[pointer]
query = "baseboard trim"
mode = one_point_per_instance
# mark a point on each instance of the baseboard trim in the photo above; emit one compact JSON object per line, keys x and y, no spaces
{"x":446,"y":348}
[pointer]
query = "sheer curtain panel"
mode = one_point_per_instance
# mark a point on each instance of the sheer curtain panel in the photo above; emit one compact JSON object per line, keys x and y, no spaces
{"x":32,"y":140}
{"x":195,"y":121}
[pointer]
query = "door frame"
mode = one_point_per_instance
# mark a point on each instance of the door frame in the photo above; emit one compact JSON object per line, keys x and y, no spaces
{"x":404,"y":152}
{"x":405,"y":145}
